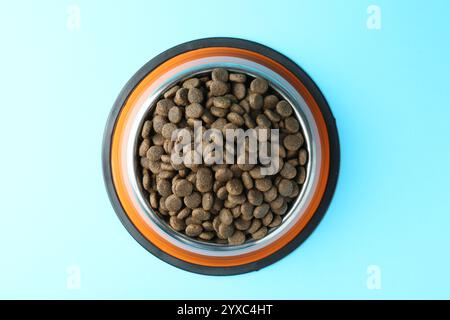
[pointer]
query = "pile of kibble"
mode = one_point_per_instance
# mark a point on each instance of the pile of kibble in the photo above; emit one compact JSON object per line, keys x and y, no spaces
{"x":221,"y":203}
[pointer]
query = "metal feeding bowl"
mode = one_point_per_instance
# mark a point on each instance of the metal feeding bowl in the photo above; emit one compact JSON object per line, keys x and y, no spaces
{"x":122,"y":174}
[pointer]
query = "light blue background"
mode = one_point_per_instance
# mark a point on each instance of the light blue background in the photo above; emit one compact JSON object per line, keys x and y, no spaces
{"x":389,"y":91}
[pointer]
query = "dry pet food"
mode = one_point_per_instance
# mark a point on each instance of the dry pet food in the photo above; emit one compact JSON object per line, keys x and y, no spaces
{"x":226,"y":203}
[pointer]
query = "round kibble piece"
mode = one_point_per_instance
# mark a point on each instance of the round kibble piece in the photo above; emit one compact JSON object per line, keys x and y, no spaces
{"x":225,"y":231}
{"x":183,"y":188}
{"x":237,"y":238}
{"x":235,"y":187}
{"x":193,"y":230}
{"x":173,"y":203}
{"x":288,"y":171}
{"x":237,"y":77}
{"x":256,"y":101}
{"x":164,"y":187}
{"x":261,"y":211}
{"x":291,"y":125}
{"x":259,"y":85}
{"x":175,"y":115}
{"x":154,"y":153}
{"x":191,"y":83}
{"x":293,"y":142}
{"x":204,"y":180}
{"x":219,"y":74}
{"x":193,"y":200}
{"x":167,"y":130}
{"x":302,"y":157}
{"x":255,"y":197}
{"x":285,"y":187}
{"x":260,"y":233}
{"x":284,"y":109}
{"x":226,"y":216}
{"x":195,"y":95}
{"x":218,"y":88}
{"x":177,"y":224}
{"x":194,"y":110}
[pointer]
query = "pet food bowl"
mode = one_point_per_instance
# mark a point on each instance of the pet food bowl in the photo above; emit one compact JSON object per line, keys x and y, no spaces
{"x":122,"y":175}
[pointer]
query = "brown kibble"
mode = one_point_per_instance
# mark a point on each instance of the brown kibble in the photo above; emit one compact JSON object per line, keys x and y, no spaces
{"x":237,"y":238}
{"x":247,"y":210}
{"x":206,"y":235}
{"x":260,"y":233}
{"x":293,"y":142}
{"x":204,"y":181}
{"x":256,"y":101}
{"x":158,"y":123}
{"x":218,"y":88}
{"x":200,"y":214}
{"x":291,"y":125}
{"x":171,"y":92}
{"x":235,"y":118}
{"x":261,"y":211}
{"x":221,"y":102}
{"x":302,"y":156}
{"x":282,"y":210}
{"x":242,"y":224}
{"x":167,"y":130}
{"x":207,"y":201}
{"x":247,"y":180}
{"x":301,"y":175}
{"x":259,"y":85}
{"x":181,"y":97}
{"x":193,"y":230}
{"x":263,"y":184}
{"x":235,"y":187}
{"x":195,"y":95}
{"x":225,"y":231}
{"x":207,"y":226}
{"x":277,"y":203}
{"x":177,"y":224}
{"x":285,"y":187}
{"x":146,"y":128}
{"x":267,"y":219}
{"x":194,"y":110}
{"x":222,"y":193}
{"x":271,"y":194}
{"x":276,"y":221}
{"x":153,"y":198}
{"x":238,"y":77}
{"x":223,"y":175}
{"x":255,"y":225}
{"x":173,"y":203}
{"x":191,"y":83}
{"x":143,"y":148}
{"x":270,"y":101}
{"x":175,"y":115}
{"x":272,"y":115}
{"x":288,"y":171}
{"x":183,"y":188}
{"x":219,"y":74}
{"x":226,"y":217}
{"x":184,"y":213}
{"x":163,"y":106}
{"x":255,"y":197}
{"x":164,"y":187}
{"x":284,"y":109}
{"x":239,"y":91}
{"x":193,"y":200}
